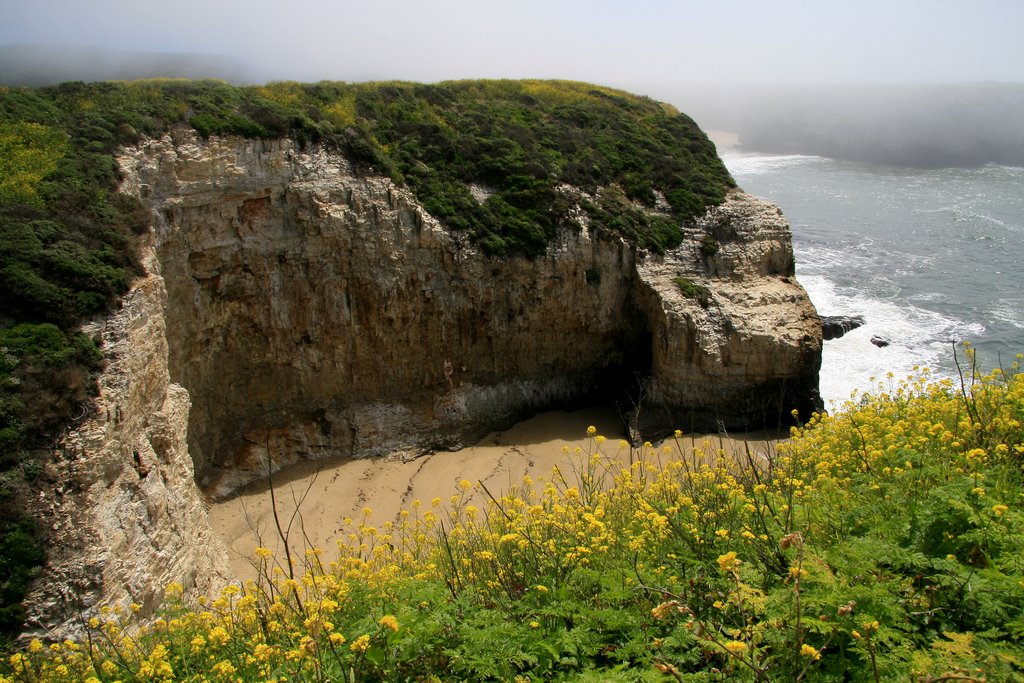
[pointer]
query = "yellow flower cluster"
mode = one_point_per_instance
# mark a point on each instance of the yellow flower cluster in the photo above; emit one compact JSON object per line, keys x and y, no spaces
{"x":643,"y":508}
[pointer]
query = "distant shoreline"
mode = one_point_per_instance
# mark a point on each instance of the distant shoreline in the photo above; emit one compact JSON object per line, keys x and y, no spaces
{"x":724,"y":139}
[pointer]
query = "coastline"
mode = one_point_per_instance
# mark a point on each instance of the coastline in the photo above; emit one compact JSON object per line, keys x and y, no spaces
{"x":326,"y":492}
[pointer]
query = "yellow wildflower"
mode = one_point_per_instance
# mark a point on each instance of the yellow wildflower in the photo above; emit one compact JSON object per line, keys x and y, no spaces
{"x":360,"y":644}
{"x":224,"y":668}
{"x":736,"y":647}
{"x":218,"y":635}
{"x":729,"y":562}
{"x":388,"y":621}
{"x":808,"y":651}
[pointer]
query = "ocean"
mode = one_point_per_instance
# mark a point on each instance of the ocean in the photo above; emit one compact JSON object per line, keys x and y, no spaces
{"x":930,"y":259}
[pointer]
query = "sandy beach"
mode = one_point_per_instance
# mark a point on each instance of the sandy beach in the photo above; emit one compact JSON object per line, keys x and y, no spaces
{"x":331,"y":490}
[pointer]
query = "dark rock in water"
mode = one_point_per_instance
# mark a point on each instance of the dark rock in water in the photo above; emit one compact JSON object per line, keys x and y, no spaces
{"x":835,"y":326}
{"x":879,"y":342}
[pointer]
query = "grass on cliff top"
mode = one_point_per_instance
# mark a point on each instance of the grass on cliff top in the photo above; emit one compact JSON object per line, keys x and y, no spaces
{"x":67,"y":236}
{"x":883,"y":543}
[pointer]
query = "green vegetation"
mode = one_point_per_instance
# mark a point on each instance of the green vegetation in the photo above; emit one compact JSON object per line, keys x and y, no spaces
{"x":883,"y":543}
{"x":692,"y":290}
{"x":709,"y":246}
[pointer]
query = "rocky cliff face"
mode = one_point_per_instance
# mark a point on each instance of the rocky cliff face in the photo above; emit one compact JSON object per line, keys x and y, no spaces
{"x":308,"y":311}
{"x":126,"y":518}
{"x":313,"y":311}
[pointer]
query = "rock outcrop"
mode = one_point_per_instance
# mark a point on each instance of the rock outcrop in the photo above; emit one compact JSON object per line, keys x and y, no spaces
{"x":294,"y":309}
{"x":126,"y":518}
{"x":836,"y":326}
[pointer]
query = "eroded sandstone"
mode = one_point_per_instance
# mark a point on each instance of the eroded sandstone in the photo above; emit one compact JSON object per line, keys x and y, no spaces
{"x":315,"y":311}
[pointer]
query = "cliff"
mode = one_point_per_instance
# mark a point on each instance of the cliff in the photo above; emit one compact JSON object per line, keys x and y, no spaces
{"x":124,"y":514}
{"x":368,"y":269}
{"x":313,"y":311}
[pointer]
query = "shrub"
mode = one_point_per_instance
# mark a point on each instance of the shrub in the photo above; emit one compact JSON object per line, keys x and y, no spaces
{"x":692,"y":290}
{"x":845,"y":553}
{"x":709,"y":246}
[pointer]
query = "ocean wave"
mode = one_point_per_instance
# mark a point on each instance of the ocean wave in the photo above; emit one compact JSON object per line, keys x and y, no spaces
{"x":1009,"y":312}
{"x":960,"y":214}
{"x":917,"y":337}
{"x":741,"y":163}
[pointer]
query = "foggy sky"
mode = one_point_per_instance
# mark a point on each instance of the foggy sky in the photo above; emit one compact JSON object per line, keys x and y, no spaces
{"x":640,"y":45}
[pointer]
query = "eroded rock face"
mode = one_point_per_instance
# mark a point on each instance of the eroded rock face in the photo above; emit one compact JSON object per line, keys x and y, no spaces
{"x":126,"y":518}
{"x":750,"y":353}
{"x":316,"y":312}
{"x":313,"y":312}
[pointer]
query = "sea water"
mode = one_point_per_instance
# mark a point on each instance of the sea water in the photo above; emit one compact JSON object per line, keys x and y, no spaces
{"x":930,"y":259}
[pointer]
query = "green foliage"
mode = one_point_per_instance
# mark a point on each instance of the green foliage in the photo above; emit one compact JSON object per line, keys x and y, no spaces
{"x":43,"y":373}
{"x":692,"y":290}
{"x":881,"y":543}
{"x":28,"y":153}
{"x":520,"y":138}
{"x":709,"y":246}
{"x":66,"y":243}
{"x":20,"y":557}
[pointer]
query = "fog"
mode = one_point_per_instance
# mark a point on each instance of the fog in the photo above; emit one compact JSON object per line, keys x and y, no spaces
{"x":785,"y":74}
{"x":924,"y":126}
{"x":616,"y":43}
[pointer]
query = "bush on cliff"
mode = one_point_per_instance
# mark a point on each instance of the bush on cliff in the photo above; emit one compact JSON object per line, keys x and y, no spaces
{"x":884,"y":543}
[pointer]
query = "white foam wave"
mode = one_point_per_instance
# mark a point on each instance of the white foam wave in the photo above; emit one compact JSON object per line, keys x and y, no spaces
{"x":916,"y":338}
{"x":1010,"y":312}
{"x":961,"y":213}
{"x":742,"y":163}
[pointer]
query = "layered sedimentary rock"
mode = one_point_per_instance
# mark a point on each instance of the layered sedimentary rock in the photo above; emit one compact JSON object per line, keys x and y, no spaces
{"x":749,"y":353}
{"x":314,"y":311}
{"x":295,"y":309}
{"x":126,"y":518}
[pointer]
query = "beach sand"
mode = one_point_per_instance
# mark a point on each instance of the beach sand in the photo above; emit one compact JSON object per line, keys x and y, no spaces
{"x":723,"y":139}
{"x":330,"y":490}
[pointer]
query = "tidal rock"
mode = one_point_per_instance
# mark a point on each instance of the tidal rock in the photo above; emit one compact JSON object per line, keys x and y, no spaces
{"x":880,"y":342}
{"x":835,"y":326}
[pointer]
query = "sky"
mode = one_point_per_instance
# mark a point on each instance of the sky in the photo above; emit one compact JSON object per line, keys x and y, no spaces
{"x":625,"y":44}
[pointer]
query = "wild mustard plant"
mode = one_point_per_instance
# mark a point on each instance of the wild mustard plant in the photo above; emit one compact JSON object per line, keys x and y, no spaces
{"x":885,"y":542}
